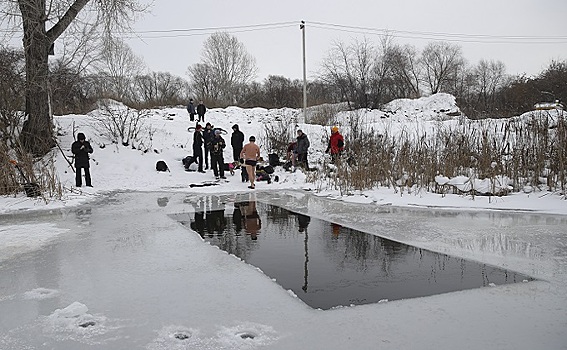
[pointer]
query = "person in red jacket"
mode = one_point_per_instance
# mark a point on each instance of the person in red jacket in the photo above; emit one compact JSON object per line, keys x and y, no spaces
{"x":336,"y":144}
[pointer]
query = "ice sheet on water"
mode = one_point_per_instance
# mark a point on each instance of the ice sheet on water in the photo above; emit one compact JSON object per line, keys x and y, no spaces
{"x":245,"y":336}
{"x":41,"y":293}
{"x":16,"y":239}
{"x":179,"y":338}
{"x":75,"y":323}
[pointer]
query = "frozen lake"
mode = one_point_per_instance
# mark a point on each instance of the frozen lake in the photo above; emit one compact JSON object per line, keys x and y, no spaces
{"x":121,"y":272}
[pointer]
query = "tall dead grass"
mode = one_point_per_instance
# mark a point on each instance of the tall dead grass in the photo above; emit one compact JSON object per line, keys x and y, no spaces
{"x":529,"y":152}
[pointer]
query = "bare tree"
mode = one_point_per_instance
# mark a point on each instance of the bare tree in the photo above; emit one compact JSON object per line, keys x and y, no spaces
{"x":441,"y":62}
{"x":404,"y":71}
{"x":489,"y":76}
{"x":119,"y":65}
{"x":225,"y":66}
{"x":202,"y":81}
{"x":282,"y":92}
{"x":43,"y":22}
{"x":358,"y":70}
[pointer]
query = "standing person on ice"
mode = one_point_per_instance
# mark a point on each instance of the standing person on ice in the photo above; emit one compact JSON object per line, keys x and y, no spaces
{"x":198,"y":146}
{"x":336,"y":144}
{"x":81,"y":149}
{"x":251,"y":153}
{"x":201,"y":110}
{"x":217,"y":160}
{"x":236,"y":140}
{"x":301,"y":148}
{"x":191,"y":110}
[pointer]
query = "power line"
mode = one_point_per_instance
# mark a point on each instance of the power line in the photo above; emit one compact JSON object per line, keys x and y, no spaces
{"x":457,"y":37}
{"x":420,"y":35}
{"x":181,"y":33}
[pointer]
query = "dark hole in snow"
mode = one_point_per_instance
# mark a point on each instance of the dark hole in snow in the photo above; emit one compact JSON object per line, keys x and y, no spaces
{"x":246,"y":336}
{"x":181,"y":336}
{"x":327,"y":265}
{"x":87,"y":324}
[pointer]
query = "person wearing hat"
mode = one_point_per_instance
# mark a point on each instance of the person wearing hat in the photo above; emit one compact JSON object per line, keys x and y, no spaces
{"x":251,"y":153}
{"x":191,"y":110}
{"x":236,"y":141}
{"x":201,"y":110}
{"x":208,"y":135}
{"x":301,"y":148}
{"x":336,"y":144}
{"x":198,"y":146}
{"x":217,"y":160}
{"x":81,"y":149}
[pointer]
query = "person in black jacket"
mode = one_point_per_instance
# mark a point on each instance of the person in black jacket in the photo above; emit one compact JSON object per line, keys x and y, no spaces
{"x":208,"y":135}
{"x":201,"y":109}
{"x":81,"y":149}
{"x":217,"y":160}
{"x":301,"y":149}
{"x":198,"y":146}
{"x":237,"y":141}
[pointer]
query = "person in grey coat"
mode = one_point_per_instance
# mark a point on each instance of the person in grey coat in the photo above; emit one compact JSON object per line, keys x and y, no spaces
{"x":301,"y":149}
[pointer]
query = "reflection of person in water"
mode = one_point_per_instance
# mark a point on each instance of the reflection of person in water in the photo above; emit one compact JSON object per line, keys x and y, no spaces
{"x":336,"y":229}
{"x":198,"y":224}
{"x":215,"y":219}
{"x":237,"y":218}
{"x":303,"y":221}
{"x":216,"y":222}
{"x":252,"y":221}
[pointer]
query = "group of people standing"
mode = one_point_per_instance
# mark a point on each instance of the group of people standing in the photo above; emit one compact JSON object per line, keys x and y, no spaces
{"x":205,"y":142}
{"x":297,"y":150}
{"x":199,"y":111}
{"x":209,"y":141}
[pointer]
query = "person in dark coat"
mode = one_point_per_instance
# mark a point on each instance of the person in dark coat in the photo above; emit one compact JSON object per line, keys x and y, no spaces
{"x":191,"y":110}
{"x":198,"y":146}
{"x":208,"y":135}
{"x":237,"y":142}
{"x":201,"y":110}
{"x":301,"y":148}
{"x":217,"y":160}
{"x":81,"y":149}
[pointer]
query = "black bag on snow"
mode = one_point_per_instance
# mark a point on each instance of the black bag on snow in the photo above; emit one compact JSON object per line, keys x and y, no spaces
{"x":274,"y":159}
{"x":269,"y":169}
{"x":161,"y":166}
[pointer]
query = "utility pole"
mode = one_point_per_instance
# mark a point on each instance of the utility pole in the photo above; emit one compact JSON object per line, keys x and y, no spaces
{"x":302,"y":27}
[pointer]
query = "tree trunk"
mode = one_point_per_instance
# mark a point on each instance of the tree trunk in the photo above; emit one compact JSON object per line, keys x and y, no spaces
{"x":37,"y":132}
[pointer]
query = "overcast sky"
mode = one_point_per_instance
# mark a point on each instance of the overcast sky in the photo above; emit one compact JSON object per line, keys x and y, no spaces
{"x":278,"y":50}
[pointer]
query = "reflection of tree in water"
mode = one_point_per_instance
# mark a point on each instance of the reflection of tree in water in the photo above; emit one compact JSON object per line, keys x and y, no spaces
{"x":279,"y":217}
{"x":360,"y":250}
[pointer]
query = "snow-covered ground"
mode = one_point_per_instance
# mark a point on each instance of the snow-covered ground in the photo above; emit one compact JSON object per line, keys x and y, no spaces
{"x":105,"y":267}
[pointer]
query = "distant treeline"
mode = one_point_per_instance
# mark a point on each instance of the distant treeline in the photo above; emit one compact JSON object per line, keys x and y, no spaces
{"x":482,"y":91}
